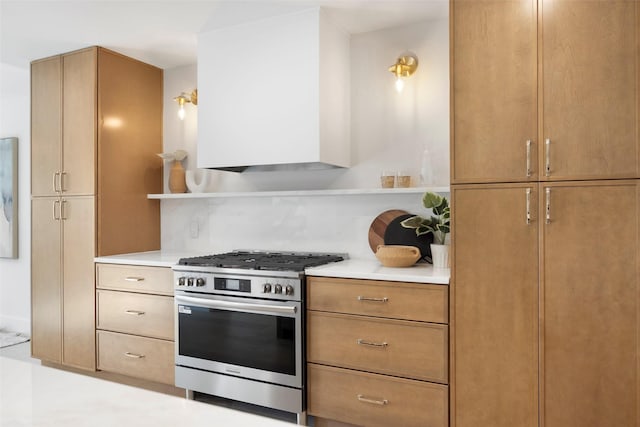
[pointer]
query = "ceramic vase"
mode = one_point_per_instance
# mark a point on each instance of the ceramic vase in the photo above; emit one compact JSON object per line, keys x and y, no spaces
{"x":177,"y":183}
{"x":440,"y":256}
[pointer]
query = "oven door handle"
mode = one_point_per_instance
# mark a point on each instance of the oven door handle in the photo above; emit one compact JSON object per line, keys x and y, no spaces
{"x":237,"y":306}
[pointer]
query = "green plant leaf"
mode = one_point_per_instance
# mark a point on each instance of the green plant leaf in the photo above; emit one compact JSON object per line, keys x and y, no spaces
{"x":432,"y":200}
{"x":423,"y":230}
{"x":413,"y":222}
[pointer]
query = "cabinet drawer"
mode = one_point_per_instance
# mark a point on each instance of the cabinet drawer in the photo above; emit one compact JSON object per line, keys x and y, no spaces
{"x":396,"y":300}
{"x":375,"y":400}
{"x":407,"y":349}
{"x":139,"y":314}
{"x":155,"y":280}
{"x":140,"y":357}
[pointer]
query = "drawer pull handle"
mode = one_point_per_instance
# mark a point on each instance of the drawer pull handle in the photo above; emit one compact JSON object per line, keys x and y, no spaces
{"x":134,"y":312}
{"x":134,"y":279}
{"x":371,"y":344}
{"x":133,"y":355}
{"x":382,"y":402}
{"x":361,"y":298}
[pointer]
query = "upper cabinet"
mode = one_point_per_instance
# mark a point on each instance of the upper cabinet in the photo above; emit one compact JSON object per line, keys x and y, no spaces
{"x":589,"y":88}
{"x":64,"y":138}
{"x":494,"y":125}
{"x":555,"y":100}
{"x":273,"y":92}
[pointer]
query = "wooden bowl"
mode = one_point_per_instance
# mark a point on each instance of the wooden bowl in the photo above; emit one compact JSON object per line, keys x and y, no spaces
{"x":397,"y":255}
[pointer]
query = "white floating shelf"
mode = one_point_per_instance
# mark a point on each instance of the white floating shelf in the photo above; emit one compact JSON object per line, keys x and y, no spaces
{"x":302,"y":193}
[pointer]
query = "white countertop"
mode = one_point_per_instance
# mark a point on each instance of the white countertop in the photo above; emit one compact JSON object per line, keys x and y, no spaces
{"x":372,"y":269}
{"x":151,"y":258}
{"x":35,"y":395}
{"x":349,"y":269}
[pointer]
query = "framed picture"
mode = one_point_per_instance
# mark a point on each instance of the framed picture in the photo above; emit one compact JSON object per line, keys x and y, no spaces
{"x":8,"y":197}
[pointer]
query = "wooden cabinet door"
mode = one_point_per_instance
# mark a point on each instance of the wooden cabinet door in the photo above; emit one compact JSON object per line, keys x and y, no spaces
{"x":46,"y":274}
{"x":79,"y":122}
{"x":589,"y":86}
{"x":79,"y":283}
{"x":591,"y":305}
{"x":494,"y":295}
{"x":46,"y":126}
{"x":494,"y":94}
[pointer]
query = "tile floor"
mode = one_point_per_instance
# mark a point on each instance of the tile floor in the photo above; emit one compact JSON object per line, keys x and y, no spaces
{"x":35,"y":395}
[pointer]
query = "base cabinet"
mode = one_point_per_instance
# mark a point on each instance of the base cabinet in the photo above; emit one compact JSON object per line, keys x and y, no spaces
{"x":63,"y":238}
{"x":135,"y":321}
{"x":546,"y":304}
{"x":370,"y":362}
{"x":367,"y":399}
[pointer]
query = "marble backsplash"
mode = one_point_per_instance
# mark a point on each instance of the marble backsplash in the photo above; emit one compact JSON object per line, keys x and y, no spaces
{"x":291,"y":223}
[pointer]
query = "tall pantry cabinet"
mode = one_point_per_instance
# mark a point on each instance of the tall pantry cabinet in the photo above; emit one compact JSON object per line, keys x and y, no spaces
{"x":96,"y":124}
{"x":546,"y":201}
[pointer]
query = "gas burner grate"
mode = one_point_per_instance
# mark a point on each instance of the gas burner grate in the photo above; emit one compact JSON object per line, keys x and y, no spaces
{"x":274,"y":261}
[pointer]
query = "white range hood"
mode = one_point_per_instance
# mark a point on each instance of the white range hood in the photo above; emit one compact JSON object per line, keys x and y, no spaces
{"x":274,"y":94}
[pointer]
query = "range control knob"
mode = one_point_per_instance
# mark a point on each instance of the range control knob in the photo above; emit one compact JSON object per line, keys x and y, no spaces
{"x":200,"y":282}
{"x":288,"y":290}
{"x":181,"y":281}
{"x":266,"y":288}
{"x":190,"y":281}
{"x":278,"y":289}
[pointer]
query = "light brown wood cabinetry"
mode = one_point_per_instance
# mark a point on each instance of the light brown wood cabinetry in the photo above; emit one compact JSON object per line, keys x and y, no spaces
{"x":590,"y":305}
{"x":135,"y":326}
{"x":494,"y":91}
{"x":542,"y":291}
{"x":494,"y":321}
{"x":566,"y":321}
{"x":96,"y":124}
{"x":377,"y":357}
{"x":560,"y":74}
{"x":368,"y":399}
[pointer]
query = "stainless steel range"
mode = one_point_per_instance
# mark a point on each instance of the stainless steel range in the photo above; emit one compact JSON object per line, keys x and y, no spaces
{"x":240,"y":326}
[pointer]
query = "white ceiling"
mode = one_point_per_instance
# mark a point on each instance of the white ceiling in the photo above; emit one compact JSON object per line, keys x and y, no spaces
{"x":164,"y":32}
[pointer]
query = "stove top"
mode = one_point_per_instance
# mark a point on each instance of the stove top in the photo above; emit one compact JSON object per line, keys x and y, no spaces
{"x":263,"y":260}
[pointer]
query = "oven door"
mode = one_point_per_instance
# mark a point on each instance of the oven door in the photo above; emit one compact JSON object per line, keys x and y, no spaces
{"x":243,"y":337}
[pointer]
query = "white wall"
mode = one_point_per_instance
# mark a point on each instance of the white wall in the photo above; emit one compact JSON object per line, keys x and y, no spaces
{"x":388,"y":131}
{"x":15,"y":274}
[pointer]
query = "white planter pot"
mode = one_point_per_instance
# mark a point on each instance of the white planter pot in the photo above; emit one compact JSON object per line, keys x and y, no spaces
{"x":440,"y":256}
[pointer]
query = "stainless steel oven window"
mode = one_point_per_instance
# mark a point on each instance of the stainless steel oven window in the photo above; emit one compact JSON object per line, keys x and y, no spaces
{"x":244,"y":337}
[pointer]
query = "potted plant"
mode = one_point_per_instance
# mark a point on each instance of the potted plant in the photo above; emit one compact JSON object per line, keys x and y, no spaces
{"x":437,"y":224}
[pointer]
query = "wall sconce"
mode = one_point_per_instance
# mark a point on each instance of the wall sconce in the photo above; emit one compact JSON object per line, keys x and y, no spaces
{"x":405,"y":65}
{"x":183,"y":98}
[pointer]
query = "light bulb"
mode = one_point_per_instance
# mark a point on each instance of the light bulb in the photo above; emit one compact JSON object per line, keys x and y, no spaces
{"x":399,"y":84}
{"x":181,"y":112}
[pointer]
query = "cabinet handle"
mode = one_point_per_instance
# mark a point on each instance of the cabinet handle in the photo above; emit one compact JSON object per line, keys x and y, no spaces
{"x":547,"y":156}
{"x":56,"y":178}
{"x":56,"y":212}
{"x":134,"y":279}
{"x":361,"y":298}
{"x":528,"y":206}
{"x":380,"y":402}
{"x":63,"y":211}
{"x":62,"y":175}
{"x":133,"y":355}
{"x":528,"y":158}
{"x":371,"y":344}
{"x":547,"y":218}
{"x":134,"y":312}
